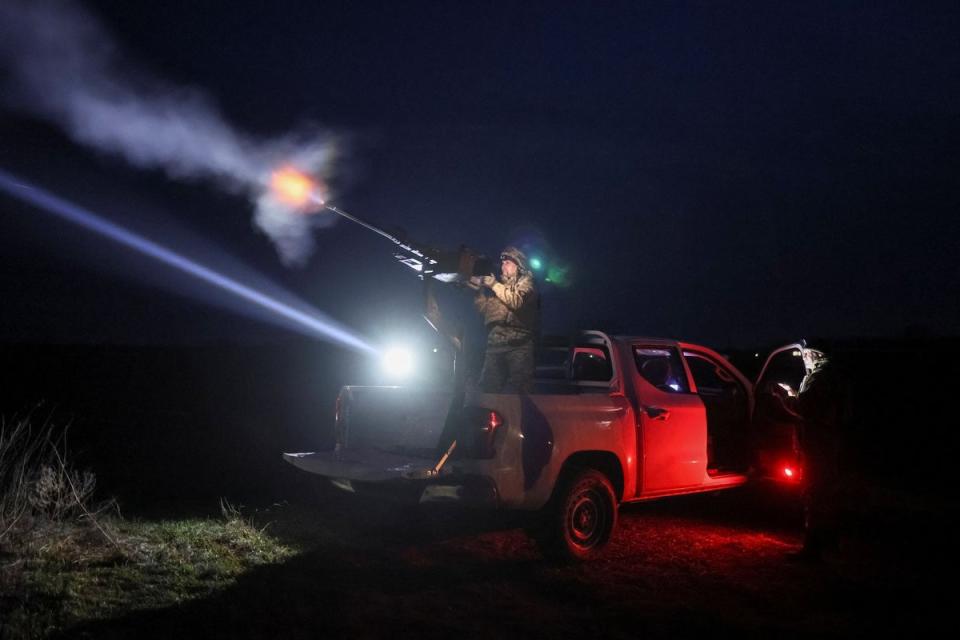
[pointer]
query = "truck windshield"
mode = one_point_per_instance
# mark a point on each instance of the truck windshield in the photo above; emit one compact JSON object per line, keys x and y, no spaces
{"x":661,"y":367}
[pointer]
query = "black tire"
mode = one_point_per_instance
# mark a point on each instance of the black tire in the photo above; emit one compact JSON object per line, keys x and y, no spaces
{"x":580,"y":519}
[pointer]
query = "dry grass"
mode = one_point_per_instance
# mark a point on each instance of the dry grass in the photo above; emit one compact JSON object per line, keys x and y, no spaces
{"x":70,"y":573}
{"x":39,"y":486}
{"x":65,"y":559}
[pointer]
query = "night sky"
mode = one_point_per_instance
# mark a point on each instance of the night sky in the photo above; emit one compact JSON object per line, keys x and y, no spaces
{"x":731,"y":173}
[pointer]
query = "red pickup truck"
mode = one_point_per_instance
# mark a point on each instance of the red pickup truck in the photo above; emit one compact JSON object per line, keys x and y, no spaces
{"x":613,"y":419}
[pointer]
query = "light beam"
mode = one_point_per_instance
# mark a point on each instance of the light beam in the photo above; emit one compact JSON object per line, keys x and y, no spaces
{"x":313,"y":323}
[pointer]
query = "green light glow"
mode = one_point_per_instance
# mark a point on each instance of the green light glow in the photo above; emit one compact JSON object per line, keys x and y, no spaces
{"x":558,"y":275}
{"x":535,"y":263}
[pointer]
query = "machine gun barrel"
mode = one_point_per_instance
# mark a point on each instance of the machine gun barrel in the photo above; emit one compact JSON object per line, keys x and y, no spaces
{"x":363,"y":223}
{"x":430,"y":262}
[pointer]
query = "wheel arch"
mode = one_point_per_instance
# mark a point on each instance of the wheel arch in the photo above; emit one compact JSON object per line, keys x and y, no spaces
{"x":606,"y":462}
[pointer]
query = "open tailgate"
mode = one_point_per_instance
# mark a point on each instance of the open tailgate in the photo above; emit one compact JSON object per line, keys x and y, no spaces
{"x":364,"y":465}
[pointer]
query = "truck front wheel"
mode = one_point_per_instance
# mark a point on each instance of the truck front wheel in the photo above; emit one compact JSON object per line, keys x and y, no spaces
{"x":579,"y":522}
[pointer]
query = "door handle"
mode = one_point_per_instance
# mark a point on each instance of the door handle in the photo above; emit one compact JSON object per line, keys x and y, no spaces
{"x":658,"y":413}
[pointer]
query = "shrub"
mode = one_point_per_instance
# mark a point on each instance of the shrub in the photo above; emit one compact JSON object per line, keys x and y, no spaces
{"x":38,"y":485}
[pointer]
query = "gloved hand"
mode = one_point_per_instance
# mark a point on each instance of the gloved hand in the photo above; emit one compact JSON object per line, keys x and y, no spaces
{"x":488,"y":281}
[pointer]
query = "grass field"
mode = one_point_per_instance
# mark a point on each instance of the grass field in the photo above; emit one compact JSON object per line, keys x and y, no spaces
{"x":344,"y":568}
{"x":63,"y":574}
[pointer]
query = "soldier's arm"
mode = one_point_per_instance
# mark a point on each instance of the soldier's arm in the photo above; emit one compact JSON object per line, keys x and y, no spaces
{"x":514,"y":296}
{"x":782,"y":404}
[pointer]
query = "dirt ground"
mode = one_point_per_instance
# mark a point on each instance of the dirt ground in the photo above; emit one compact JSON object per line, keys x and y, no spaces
{"x":702,"y":565}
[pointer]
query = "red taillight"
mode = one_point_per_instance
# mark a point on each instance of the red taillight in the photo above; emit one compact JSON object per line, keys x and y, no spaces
{"x":480,"y":427}
{"x":791,"y":474}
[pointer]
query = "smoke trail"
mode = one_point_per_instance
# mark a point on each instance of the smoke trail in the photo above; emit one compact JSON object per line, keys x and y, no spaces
{"x":61,"y":65}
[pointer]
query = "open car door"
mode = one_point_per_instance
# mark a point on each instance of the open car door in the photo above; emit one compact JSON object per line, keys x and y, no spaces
{"x":774,"y":425}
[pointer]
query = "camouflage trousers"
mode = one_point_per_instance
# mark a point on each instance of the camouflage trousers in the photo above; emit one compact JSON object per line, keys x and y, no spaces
{"x":508,"y":369}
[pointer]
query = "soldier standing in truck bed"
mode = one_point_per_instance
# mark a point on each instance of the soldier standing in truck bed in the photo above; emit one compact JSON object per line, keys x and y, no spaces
{"x":510,"y":308}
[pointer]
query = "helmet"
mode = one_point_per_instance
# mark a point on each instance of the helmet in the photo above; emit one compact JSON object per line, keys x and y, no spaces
{"x":516,"y":256}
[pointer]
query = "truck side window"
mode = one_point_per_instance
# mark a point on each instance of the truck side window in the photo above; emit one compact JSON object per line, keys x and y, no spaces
{"x":661,"y":367}
{"x":591,"y":364}
{"x":711,"y":378}
{"x":552,"y":363}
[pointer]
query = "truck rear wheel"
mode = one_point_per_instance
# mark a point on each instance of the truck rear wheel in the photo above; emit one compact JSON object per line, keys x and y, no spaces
{"x":579,"y":522}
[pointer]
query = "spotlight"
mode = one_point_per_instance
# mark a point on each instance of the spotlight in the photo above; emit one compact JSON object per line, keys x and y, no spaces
{"x":398,"y":362}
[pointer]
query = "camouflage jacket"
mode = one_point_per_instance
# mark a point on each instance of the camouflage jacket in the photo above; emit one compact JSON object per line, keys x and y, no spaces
{"x":512,"y":313}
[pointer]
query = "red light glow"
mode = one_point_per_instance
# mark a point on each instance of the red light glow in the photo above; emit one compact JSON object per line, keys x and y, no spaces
{"x":792,"y":474}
